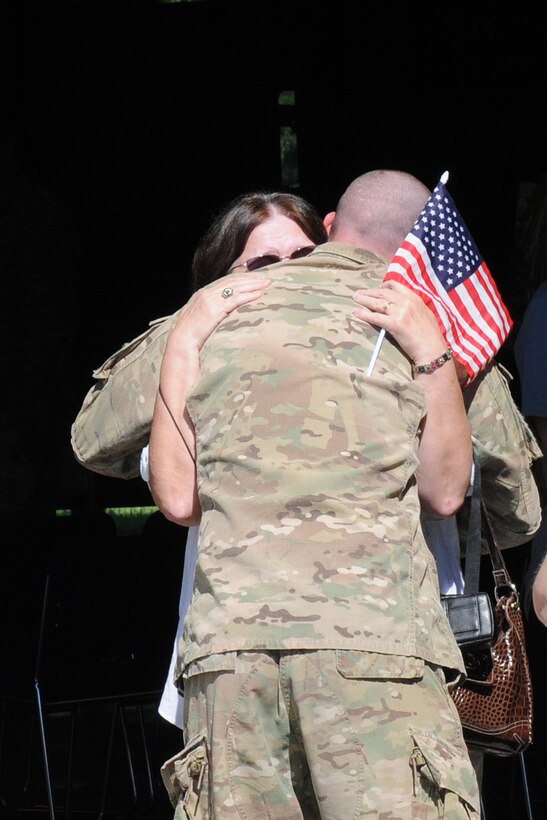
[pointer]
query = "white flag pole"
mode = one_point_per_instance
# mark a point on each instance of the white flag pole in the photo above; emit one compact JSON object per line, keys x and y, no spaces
{"x":376,"y":351}
{"x":381,"y":335}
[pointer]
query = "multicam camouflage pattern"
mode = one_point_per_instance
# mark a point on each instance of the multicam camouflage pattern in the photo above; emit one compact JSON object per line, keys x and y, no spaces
{"x":310,"y":533}
{"x":506,"y":449}
{"x":374,"y":745}
{"x":113,"y":423}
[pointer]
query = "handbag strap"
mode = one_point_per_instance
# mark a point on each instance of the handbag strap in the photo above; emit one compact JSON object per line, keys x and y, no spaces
{"x":477,"y":527}
{"x":502,"y":580}
{"x":474,"y":526}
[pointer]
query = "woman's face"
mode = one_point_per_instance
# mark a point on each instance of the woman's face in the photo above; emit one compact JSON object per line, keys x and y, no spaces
{"x":277,"y":236}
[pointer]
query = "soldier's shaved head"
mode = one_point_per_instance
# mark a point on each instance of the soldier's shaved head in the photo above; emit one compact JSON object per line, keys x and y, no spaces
{"x":378,"y":209}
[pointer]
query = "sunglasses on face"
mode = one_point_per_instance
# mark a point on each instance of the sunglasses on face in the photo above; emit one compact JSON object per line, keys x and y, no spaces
{"x":256,"y":262}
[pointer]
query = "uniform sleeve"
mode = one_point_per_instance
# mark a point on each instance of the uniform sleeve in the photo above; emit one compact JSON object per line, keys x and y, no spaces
{"x":506,"y":449}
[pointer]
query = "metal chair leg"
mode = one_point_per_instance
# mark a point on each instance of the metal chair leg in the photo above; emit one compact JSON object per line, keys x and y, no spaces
{"x":108,"y":761}
{"x":149,"y":777}
{"x":524,"y":775}
{"x":129,"y":755}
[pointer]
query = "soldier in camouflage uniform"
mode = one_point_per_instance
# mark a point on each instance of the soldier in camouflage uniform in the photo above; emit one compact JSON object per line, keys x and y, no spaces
{"x":316,"y":653}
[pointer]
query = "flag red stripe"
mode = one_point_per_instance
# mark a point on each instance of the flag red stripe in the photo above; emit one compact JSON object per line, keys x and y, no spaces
{"x":466,"y":300}
{"x":484,"y":304}
{"x":490,"y":285}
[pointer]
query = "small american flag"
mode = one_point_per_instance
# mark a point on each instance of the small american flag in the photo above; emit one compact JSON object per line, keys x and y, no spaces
{"x":440,"y":261}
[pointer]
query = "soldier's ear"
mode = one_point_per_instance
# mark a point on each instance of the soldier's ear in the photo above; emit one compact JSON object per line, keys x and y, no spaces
{"x":328,"y":220}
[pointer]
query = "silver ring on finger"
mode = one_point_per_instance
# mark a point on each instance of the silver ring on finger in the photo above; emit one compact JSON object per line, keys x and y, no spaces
{"x":226,"y":293}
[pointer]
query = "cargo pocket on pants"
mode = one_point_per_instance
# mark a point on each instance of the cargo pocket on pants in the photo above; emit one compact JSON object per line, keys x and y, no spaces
{"x":442,"y":776}
{"x":184,"y":777}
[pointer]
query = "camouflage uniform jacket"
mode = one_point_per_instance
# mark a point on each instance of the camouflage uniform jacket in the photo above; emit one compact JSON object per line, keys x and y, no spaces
{"x":310,"y":534}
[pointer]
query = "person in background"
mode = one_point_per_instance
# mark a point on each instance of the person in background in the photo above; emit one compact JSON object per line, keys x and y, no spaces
{"x":531,"y":359}
{"x":311,"y":553}
{"x":539,"y":585}
{"x":530,"y":349}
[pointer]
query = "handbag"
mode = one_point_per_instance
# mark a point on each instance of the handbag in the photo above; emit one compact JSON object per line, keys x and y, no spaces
{"x":495,"y":699}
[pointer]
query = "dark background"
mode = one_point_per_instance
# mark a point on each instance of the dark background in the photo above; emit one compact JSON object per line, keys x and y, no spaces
{"x":123,"y":127}
{"x":127,"y":124}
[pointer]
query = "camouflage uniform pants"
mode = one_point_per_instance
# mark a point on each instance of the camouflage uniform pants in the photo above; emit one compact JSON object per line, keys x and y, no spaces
{"x":306,"y":734}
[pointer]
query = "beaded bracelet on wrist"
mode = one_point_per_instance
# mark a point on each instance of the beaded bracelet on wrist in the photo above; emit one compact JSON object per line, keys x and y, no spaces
{"x":430,"y":367}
